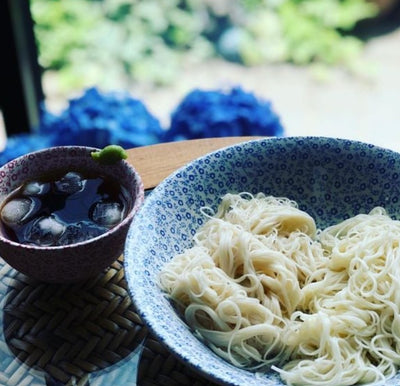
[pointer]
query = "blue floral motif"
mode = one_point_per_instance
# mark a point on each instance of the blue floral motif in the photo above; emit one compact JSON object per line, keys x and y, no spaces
{"x":207,"y":114}
{"x":338,"y":179}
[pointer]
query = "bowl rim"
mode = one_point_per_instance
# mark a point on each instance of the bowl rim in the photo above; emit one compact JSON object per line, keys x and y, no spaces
{"x":136,"y":204}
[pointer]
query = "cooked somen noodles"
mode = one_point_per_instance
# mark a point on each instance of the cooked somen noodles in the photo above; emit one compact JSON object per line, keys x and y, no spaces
{"x":267,"y":290}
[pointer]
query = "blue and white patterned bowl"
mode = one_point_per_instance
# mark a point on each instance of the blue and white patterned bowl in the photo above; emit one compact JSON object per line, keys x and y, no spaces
{"x":331,"y":179}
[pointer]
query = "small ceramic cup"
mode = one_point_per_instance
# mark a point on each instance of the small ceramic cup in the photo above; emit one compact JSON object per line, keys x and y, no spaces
{"x":72,"y":262}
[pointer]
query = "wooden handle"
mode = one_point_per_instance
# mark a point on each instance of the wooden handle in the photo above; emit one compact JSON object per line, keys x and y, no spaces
{"x":156,"y":162}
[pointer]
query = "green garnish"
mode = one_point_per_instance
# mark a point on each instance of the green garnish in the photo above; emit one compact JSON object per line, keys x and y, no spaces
{"x":110,"y":154}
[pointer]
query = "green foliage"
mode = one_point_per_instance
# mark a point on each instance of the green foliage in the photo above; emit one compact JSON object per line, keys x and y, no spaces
{"x":301,"y":31}
{"x":106,"y":42}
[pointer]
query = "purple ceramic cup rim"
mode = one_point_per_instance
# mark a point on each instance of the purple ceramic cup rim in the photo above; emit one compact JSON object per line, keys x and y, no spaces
{"x":136,"y":202}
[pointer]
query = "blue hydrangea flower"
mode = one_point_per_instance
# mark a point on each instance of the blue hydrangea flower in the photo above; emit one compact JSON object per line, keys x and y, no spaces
{"x":215,"y":113}
{"x":99,"y":119}
{"x":20,"y":144}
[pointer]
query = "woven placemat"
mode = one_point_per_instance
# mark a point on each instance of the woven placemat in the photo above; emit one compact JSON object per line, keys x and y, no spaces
{"x":82,"y":334}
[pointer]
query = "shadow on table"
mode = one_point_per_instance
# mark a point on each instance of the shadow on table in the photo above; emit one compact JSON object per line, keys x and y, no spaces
{"x":80,"y":334}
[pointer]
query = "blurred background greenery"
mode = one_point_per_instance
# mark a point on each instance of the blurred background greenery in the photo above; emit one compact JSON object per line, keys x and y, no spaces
{"x":111,"y":42}
{"x":329,"y":67}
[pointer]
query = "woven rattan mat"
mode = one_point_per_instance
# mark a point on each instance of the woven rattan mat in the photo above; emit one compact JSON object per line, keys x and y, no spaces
{"x":71,"y":333}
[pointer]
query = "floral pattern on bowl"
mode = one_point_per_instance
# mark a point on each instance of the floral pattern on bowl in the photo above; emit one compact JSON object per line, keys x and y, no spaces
{"x":332,"y":179}
{"x":71,"y":262}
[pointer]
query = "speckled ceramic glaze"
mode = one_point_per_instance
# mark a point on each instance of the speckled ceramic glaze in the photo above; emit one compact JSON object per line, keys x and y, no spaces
{"x":75,"y":261}
{"x":331,"y":179}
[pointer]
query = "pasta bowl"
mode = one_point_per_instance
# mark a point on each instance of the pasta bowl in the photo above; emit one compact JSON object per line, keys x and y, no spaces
{"x":332,"y":180}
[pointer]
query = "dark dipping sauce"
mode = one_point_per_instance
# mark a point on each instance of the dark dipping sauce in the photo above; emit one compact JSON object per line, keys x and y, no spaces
{"x":63,"y":208}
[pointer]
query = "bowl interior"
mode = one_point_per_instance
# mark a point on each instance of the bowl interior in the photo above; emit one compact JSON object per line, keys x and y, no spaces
{"x":331,"y":179}
{"x":34,"y":165}
{"x":41,"y":162}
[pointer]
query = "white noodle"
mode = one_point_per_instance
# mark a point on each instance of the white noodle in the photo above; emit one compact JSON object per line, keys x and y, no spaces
{"x":265,"y":289}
